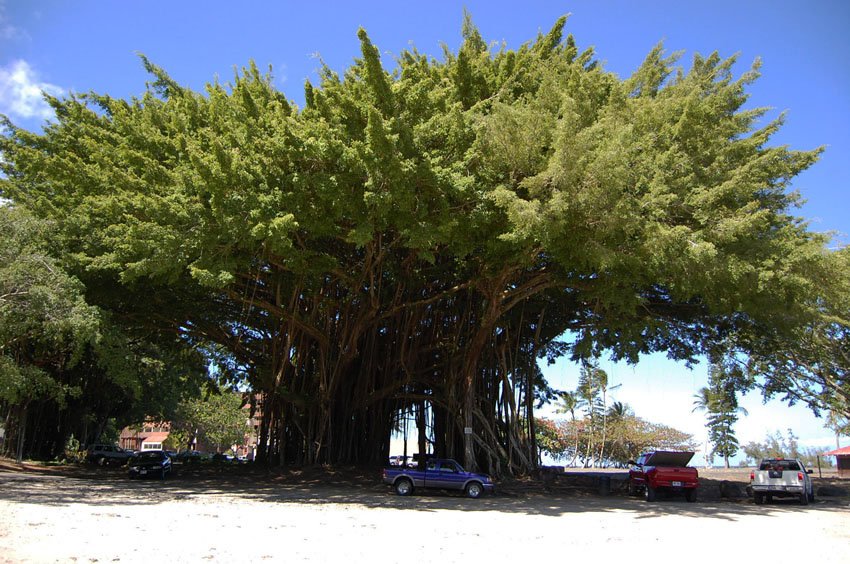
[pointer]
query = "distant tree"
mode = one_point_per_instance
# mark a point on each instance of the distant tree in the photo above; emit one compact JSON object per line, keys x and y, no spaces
{"x":627,"y":438}
{"x":552,"y":438}
{"x":720,"y":402}
{"x":778,"y":446}
{"x":619,"y":411}
{"x":219,"y":420}
{"x":701,"y":403}
{"x":569,"y":402}
{"x":838,"y":424}
{"x":591,"y":394}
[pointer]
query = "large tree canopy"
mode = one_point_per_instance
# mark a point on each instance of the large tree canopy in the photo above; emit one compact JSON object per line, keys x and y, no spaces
{"x":415,"y":239}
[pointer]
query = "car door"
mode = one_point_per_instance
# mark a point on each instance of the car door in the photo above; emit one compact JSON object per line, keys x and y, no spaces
{"x":432,"y":477}
{"x":450,"y":476}
{"x":636,"y":475}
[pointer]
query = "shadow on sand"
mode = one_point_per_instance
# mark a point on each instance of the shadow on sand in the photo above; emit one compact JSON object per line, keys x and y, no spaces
{"x":111,"y":487}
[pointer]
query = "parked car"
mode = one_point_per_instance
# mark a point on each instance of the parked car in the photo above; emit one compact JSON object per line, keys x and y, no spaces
{"x":781,"y":477}
{"x":666,"y":471}
{"x":149,"y":463}
{"x":221,"y":457}
{"x":401,"y":460}
{"x":443,"y":474}
{"x":190,"y":457}
{"x":102,"y":455}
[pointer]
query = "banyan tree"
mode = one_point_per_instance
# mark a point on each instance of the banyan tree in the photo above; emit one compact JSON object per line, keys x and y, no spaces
{"x":413,"y":241}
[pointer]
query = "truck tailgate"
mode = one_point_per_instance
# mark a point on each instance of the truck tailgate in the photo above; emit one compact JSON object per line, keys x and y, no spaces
{"x":675,"y":477}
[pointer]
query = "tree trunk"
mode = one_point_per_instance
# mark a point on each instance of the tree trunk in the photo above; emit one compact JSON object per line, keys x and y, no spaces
{"x":22,"y":428}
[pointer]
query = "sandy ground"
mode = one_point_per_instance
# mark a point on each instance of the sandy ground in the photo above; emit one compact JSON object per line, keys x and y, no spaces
{"x":104,"y":517}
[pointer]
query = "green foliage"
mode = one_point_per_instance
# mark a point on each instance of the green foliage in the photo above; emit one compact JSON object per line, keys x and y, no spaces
{"x":217,"y":420}
{"x":810,"y":364}
{"x":74,"y":451}
{"x":779,"y":446}
{"x":45,"y":322}
{"x":591,"y":384}
{"x":110,"y":434}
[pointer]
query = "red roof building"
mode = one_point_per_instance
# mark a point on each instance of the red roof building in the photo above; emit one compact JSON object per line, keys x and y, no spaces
{"x":842,"y":458}
{"x":150,"y":437}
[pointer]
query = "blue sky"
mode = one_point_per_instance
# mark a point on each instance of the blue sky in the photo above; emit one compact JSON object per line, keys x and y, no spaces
{"x":61,"y":47}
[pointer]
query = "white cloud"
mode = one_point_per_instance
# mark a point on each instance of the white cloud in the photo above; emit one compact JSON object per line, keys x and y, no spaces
{"x":21,"y":92}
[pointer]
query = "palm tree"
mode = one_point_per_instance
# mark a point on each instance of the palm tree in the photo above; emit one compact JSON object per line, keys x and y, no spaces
{"x":702,"y":399}
{"x":619,"y":411}
{"x":569,"y":402}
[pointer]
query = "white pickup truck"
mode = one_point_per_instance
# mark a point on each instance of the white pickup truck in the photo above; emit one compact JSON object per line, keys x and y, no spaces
{"x":781,"y":477}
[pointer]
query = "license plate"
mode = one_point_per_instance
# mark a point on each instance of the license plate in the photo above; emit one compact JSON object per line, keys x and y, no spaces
{"x":677,"y":484}
{"x":143,"y":472}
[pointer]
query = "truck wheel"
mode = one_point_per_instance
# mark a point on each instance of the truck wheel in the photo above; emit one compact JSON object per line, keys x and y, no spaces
{"x":691,"y":495}
{"x":474,"y":490}
{"x":758,"y":498}
{"x":404,"y":487}
{"x":649,"y":493}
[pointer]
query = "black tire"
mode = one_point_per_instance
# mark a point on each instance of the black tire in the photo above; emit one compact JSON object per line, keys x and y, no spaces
{"x":474,"y":490}
{"x":812,"y":496}
{"x":404,"y":487}
{"x":649,"y":493}
{"x":758,"y":498}
{"x":632,"y":488}
{"x":691,"y":495}
{"x":768,"y":498}
{"x":804,"y":498}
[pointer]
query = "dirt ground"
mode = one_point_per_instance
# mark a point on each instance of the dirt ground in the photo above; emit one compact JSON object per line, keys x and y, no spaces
{"x":239,"y":514}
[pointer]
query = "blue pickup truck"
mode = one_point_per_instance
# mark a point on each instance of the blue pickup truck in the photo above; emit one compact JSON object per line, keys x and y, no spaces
{"x":444,"y":474}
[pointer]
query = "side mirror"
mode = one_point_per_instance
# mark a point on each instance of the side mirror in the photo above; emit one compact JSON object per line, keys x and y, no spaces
{"x":632,"y":462}
{"x":810,"y":471}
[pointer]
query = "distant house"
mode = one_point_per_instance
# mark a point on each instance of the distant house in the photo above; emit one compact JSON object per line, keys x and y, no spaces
{"x":151,"y":436}
{"x":842,"y":457}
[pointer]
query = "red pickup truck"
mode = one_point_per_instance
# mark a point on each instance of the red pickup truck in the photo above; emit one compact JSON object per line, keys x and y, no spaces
{"x":663,"y":471}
